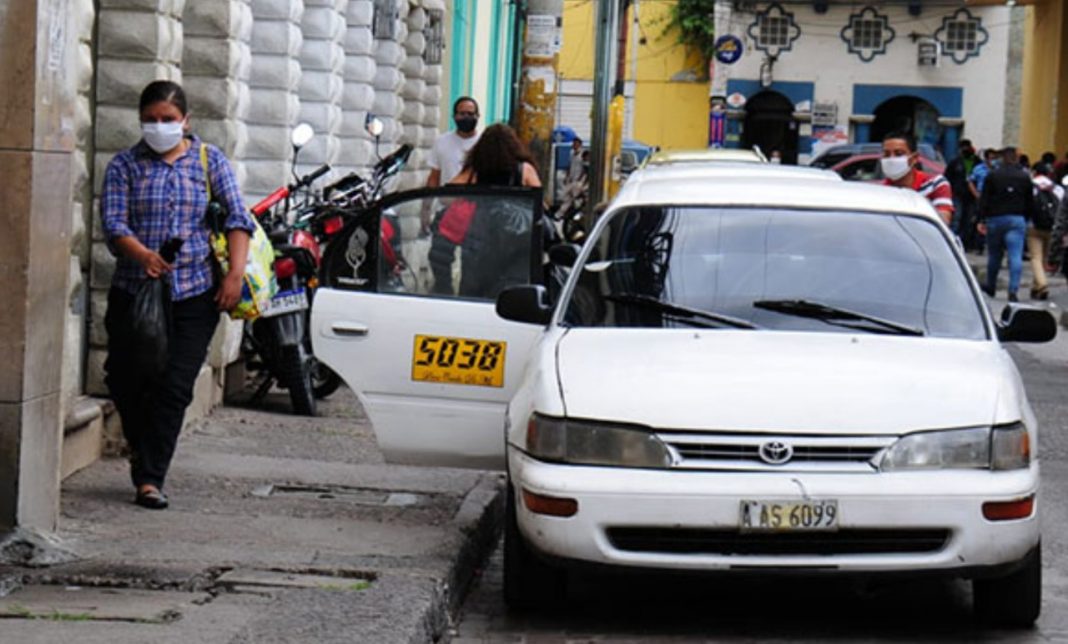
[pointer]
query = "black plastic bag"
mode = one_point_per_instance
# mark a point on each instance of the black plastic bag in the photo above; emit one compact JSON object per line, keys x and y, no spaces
{"x":151,"y":313}
{"x":151,"y":317}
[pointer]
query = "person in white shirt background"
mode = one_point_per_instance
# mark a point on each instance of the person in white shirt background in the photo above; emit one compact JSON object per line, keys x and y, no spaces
{"x":450,"y":150}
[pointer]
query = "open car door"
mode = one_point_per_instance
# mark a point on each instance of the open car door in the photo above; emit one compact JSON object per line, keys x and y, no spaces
{"x":408,"y":322}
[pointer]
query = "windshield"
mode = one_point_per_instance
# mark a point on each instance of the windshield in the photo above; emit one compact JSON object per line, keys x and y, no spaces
{"x":797,"y":270}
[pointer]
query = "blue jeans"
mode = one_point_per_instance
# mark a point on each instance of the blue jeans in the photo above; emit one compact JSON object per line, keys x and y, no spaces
{"x":1005,"y":233}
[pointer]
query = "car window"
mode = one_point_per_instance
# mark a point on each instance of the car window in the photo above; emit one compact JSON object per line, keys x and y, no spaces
{"x":479,"y":241}
{"x":723,"y":260}
{"x":862,"y":170}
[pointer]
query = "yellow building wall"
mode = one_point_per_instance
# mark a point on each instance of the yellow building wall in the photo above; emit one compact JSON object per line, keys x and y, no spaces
{"x":1044,"y":109}
{"x":669,"y":110}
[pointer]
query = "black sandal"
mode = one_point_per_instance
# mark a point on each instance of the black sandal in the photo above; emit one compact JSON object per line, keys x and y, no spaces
{"x":151,"y":499}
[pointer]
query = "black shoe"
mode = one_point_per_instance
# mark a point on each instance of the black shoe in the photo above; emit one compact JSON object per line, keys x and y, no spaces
{"x":152,"y":499}
{"x":1012,"y":297}
{"x":986,"y":289}
{"x":1040,"y":293}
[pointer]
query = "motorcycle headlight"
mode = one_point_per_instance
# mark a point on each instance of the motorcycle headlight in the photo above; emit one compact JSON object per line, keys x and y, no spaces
{"x":1003,"y":447}
{"x":584,"y":442}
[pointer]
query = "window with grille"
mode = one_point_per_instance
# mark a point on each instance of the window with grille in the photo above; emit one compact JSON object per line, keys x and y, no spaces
{"x":774,"y":31}
{"x":385,"y":20}
{"x":961,"y":36}
{"x":435,"y":36}
{"x":868,"y":34}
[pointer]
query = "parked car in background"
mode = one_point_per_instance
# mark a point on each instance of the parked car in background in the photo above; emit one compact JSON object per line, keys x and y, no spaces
{"x":767,"y":375}
{"x":866,"y":167}
{"x":834,"y":155}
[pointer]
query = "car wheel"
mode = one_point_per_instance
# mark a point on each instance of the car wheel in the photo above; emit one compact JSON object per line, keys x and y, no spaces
{"x":1014,"y":600}
{"x":529,"y":582}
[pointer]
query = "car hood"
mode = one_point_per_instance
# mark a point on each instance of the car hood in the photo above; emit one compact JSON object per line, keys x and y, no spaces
{"x":770,"y":381}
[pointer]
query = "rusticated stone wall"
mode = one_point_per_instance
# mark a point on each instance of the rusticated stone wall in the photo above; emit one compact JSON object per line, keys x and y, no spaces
{"x":274,"y":93}
{"x":357,"y":150}
{"x":322,"y":60}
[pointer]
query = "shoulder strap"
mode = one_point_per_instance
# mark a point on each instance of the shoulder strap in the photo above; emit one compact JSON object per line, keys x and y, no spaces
{"x":204,"y":164}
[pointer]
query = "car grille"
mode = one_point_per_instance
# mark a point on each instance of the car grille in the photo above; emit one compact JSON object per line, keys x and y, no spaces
{"x":697,"y":541}
{"x":743,"y":452}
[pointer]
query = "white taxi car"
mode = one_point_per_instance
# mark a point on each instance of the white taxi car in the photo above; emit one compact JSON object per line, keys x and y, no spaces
{"x":739,"y":375}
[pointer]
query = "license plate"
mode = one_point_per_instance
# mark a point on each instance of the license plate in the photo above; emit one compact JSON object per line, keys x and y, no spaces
{"x":286,"y":302}
{"x":788,"y":515}
{"x":458,"y":361}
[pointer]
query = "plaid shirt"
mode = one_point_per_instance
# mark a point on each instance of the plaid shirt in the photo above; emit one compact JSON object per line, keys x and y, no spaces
{"x":154,"y":201}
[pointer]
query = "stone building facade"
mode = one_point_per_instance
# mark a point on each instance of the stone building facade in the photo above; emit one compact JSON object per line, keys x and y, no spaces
{"x":252,"y":70}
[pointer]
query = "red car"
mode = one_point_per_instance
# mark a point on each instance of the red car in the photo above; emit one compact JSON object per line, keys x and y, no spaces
{"x":865,"y":167}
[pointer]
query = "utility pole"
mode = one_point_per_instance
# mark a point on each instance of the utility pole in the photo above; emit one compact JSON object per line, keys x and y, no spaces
{"x":605,"y":64}
{"x":537,"y":89}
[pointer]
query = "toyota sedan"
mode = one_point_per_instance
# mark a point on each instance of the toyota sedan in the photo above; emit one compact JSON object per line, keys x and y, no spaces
{"x":739,"y":375}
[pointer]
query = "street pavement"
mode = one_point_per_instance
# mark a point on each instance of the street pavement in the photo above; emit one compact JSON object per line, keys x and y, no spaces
{"x":628,"y":608}
{"x":281,"y":529}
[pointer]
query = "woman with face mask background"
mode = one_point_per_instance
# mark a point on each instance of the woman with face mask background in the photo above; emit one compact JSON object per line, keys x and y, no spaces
{"x":154,"y":194}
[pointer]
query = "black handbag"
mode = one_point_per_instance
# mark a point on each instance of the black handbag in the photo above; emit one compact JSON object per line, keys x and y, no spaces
{"x":151,"y":317}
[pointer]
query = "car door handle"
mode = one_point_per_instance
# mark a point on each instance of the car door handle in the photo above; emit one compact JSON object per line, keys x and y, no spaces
{"x":354,"y":329}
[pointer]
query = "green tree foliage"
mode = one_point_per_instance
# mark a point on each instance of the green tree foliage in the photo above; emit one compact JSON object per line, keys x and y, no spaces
{"x":694,"y":24}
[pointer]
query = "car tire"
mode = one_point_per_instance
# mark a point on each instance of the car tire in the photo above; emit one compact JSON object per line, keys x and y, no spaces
{"x":1014,"y":600}
{"x":529,"y":581}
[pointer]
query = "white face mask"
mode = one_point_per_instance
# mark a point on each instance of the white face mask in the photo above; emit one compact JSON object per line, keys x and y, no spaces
{"x":895,"y":167}
{"x":776,"y":160}
{"x":163,"y":137}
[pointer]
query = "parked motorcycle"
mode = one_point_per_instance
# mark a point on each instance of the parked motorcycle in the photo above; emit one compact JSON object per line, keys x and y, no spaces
{"x":277,"y":342}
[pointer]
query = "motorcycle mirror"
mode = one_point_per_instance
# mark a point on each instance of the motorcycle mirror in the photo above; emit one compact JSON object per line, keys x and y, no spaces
{"x":301,"y":135}
{"x":374,"y":127}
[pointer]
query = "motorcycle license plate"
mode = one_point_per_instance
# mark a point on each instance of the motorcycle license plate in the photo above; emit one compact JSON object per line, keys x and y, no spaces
{"x":458,"y":361}
{"x":286,"y":302}
{"x":788,"y":516}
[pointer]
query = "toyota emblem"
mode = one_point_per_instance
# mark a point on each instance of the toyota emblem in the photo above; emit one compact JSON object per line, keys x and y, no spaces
{"x":776,"y":452}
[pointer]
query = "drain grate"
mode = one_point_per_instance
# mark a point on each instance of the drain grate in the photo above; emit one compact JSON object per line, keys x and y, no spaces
{"x":359,"y":496}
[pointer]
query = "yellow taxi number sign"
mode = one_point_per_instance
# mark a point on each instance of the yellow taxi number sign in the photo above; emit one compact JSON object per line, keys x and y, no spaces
{"x":458,"y":361}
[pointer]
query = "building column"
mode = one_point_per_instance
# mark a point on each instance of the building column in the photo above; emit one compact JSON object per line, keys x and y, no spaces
{"x":38,"y":43}
{"x":412,"y":113}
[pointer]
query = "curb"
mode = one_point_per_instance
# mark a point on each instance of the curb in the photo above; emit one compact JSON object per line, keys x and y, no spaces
{"x":479,"y":521}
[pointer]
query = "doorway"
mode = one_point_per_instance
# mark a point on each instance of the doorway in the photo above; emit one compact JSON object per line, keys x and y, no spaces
{"x":908,"y":114}
{"x":770,"y":124}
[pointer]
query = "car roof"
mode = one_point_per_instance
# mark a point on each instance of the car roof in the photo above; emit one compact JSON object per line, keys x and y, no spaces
{"x":761,"y":187}
{"x":705,"y":155}
{"x":723,"y":169}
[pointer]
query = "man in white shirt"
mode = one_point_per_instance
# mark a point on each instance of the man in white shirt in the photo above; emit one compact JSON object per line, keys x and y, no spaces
{"x":451,"y":148}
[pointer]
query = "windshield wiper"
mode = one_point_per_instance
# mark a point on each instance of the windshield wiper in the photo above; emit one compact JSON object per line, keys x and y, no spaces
{"x":674,"y":310}
{"x":835,"y":315}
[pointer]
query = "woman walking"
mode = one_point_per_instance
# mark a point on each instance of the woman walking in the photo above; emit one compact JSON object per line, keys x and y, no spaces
{"x":155,"y":193}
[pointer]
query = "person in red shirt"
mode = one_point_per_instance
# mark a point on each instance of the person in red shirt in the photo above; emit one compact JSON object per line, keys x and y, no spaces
{"x":900,"y":167}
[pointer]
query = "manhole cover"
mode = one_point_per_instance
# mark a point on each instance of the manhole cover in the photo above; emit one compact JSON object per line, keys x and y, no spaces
{"x":361,"y":496}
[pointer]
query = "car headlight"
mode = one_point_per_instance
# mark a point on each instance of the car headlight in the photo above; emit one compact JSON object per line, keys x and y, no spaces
{"x":590,"y":443}
{"x":1004,"y":447}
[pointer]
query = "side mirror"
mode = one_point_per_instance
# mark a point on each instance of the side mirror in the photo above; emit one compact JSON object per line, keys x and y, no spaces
{"x":564,"y":254}
{"x":1023,"y":323}
{"x":528,"y":304}
{"x":374,"y":125}
{"x":301,"y":135}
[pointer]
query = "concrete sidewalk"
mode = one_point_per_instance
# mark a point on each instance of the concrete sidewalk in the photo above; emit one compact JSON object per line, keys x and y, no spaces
{"x":281,"y":529}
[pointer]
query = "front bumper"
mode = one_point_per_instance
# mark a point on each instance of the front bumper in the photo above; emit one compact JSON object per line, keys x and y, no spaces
{"x":611,"y":500}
